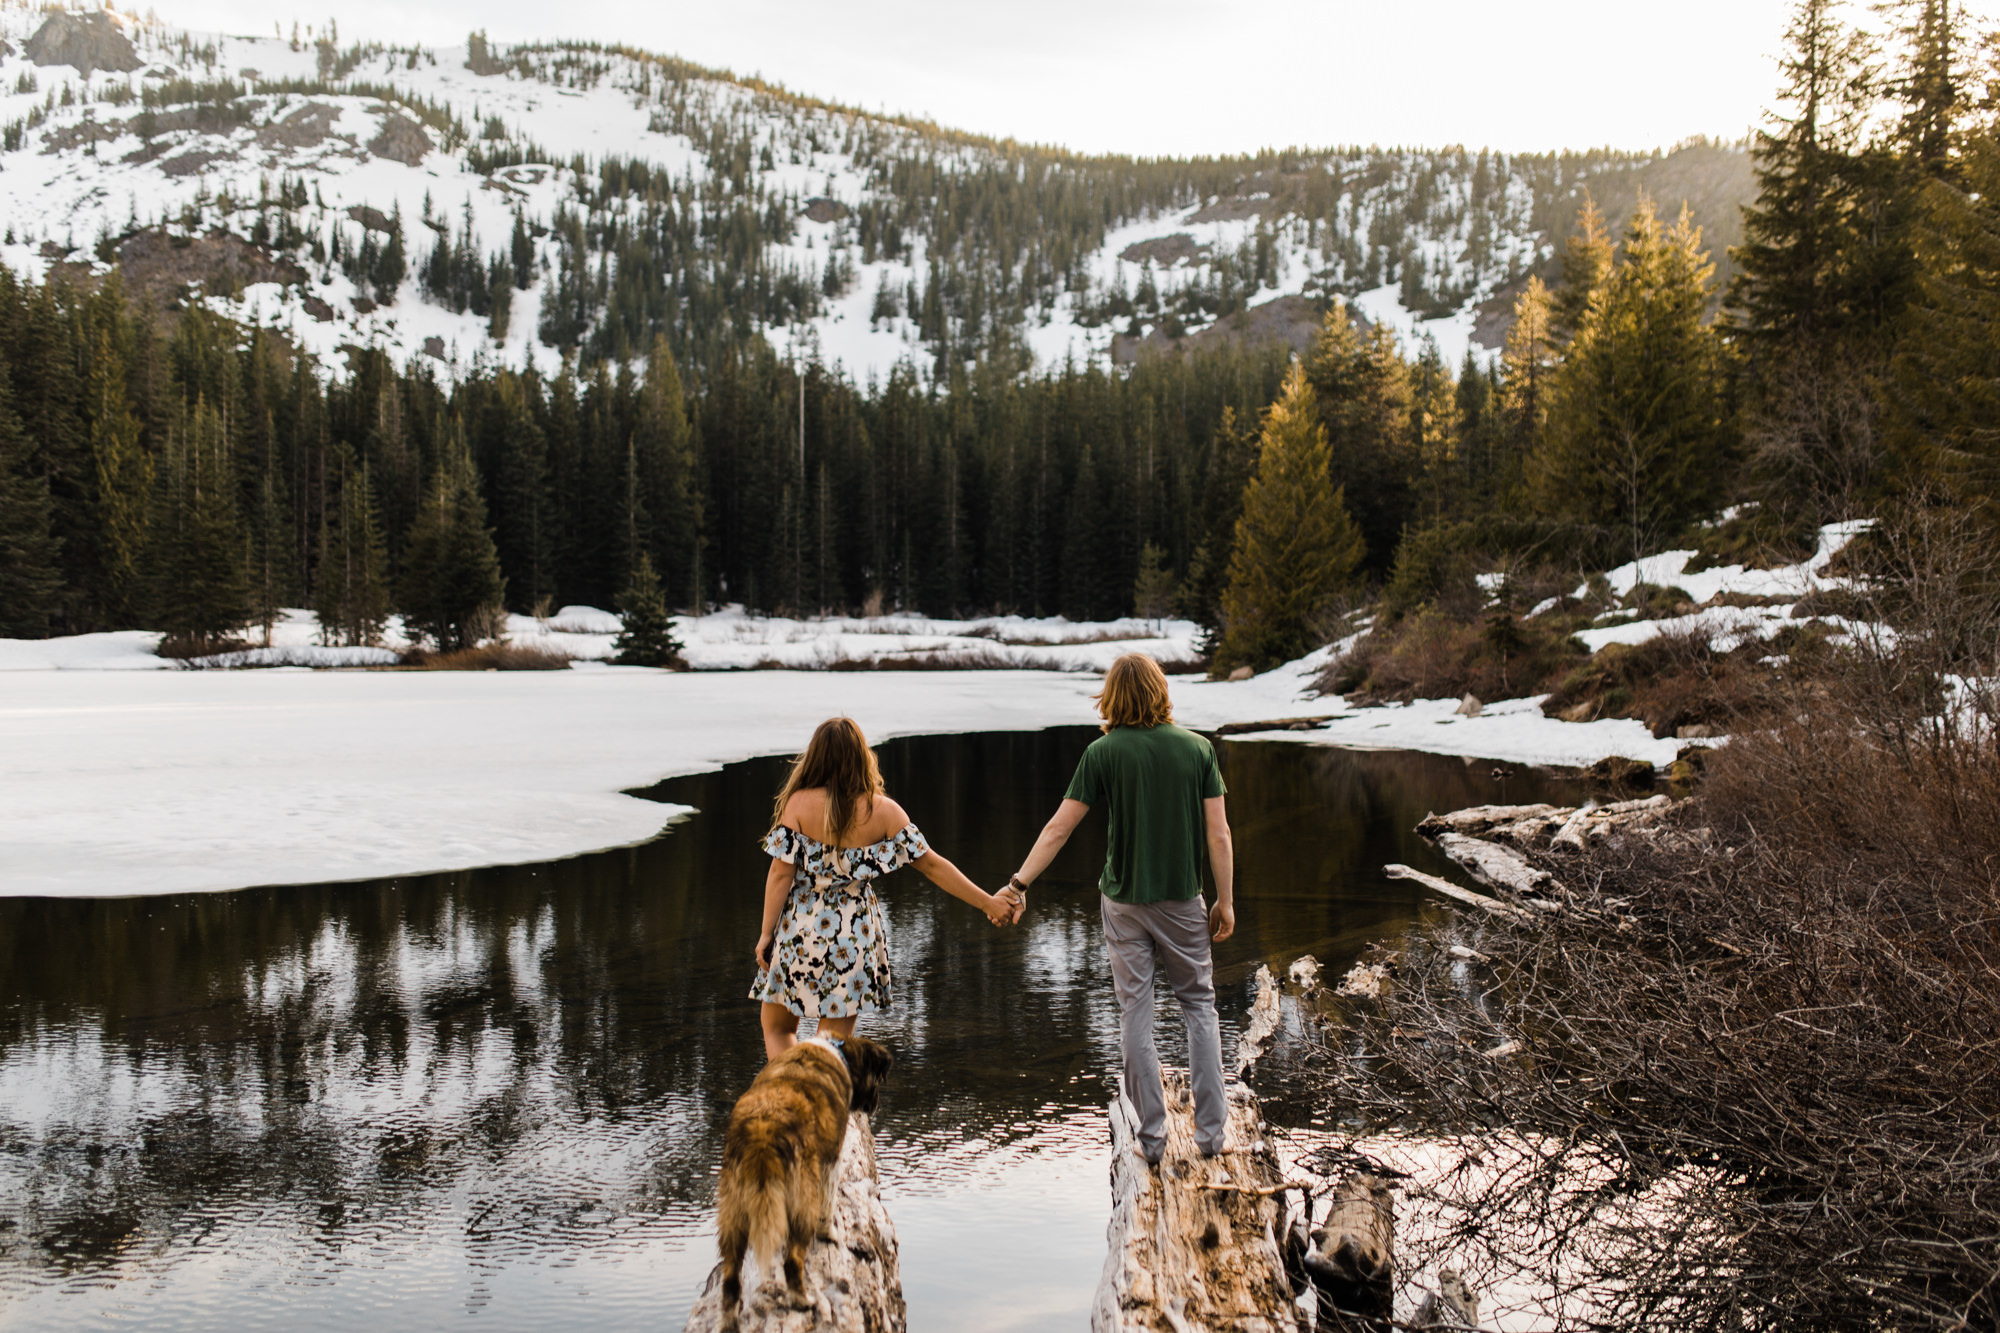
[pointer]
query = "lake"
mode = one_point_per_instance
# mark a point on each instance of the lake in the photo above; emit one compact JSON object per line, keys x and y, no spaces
{"x":495,"y":1098}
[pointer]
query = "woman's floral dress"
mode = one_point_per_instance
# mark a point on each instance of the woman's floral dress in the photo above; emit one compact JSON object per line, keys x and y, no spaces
{"x":831,"y":959}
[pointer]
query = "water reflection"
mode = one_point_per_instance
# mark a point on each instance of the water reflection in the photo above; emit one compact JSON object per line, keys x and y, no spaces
{"x":498,"y":1095}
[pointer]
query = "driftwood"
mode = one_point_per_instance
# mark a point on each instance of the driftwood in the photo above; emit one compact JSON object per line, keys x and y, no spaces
{"x":1493,"y":865}
{"x":1480,"y":819}
{"x":1261,"y":1026}
{"x":1304,"y":973}
{"x":1194,"y":1242}
{"x":1454,"y":1305}
{"x":1353,"y":1266}
{"x":1454,"y":892}
{"x":851,"y":1275}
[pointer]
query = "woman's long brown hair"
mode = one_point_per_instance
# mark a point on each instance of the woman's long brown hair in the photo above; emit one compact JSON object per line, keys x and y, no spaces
{"x":838,"y":759}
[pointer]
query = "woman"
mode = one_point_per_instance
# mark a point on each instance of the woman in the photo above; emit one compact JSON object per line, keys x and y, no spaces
{"x":824,"y":950}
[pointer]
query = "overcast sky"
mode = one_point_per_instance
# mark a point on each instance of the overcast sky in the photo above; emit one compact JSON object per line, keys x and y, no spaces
{"x":1177,"y":76}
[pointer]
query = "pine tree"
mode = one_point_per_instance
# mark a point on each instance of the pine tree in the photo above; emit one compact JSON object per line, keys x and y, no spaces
{"x":1944,"y":397}
{"x":1812,"y":293}
{"x":1153,"y":590}
{"x":351,"y":590}
{"x":1636,"y":439}
{"x":1363,"y":388}
{"x":1528,"y":359}
{"x":452,"y":589}
{"x":663,"y":468}
{"x":1296,"y":549}
{"x":123,"y":476}
{"x":201,"y":598}
{"x":647,"y":638}
{"x":30,"y":577}
{"x":1586,"y":266}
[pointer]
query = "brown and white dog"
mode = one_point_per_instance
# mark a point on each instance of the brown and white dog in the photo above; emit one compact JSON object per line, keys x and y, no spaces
{"x":779,"y":1158}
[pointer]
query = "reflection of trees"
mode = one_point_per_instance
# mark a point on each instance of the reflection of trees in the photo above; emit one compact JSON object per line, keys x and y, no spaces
{"x":511,"y":1044}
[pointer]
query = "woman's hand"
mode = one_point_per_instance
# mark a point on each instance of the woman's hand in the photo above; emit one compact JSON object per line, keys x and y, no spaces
{"x":998,"y":909}
{"x":763,"y":953}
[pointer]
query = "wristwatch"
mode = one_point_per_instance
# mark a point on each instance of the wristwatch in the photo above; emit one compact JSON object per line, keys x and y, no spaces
{"x":1014,"y":883}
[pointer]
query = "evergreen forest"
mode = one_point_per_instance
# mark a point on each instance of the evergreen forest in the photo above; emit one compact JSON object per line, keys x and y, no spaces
{"x":1831,"y":351}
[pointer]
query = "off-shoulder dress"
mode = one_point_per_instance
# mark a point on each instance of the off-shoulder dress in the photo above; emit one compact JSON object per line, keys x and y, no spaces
{"x":831,"y":958}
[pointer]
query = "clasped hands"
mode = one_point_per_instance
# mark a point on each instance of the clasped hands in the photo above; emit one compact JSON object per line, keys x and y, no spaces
{"x":1009,"y":904}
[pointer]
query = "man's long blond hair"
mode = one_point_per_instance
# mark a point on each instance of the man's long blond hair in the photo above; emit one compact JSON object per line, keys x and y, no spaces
{"x":838,"y":759}
{"x":1135,"y":694}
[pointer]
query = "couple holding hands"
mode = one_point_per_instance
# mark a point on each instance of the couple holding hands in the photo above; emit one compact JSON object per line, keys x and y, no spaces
{"x":824,"y":948}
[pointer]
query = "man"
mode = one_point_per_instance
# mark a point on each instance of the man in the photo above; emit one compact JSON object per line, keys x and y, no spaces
{"x":1164,"y":795}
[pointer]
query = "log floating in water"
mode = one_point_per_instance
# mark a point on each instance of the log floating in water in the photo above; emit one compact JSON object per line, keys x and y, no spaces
{"x":851,"y":1276}
{"x":1261,"y":1026}
{"x":1193,"y":1244}
{"x":1493,"y":865}
{"x":1453,"y":891}
{"x":1275,"y":724}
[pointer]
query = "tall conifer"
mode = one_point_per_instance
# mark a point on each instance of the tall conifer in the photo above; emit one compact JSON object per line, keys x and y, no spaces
{"x":30,"y":578}
{"x":1296,"y":548}
{"x":1636,"y":439}
{"x":452,"y":589}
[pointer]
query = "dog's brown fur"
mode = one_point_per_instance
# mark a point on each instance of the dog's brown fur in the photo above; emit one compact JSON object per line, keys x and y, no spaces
{"x":779,"y":1158}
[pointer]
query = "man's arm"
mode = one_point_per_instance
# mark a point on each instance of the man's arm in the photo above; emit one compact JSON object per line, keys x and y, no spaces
{"x":1054,"y":834}
{"x":1222,"y":861}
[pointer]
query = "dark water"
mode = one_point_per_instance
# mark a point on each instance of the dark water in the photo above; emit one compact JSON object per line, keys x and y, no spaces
{"x":495,"y":1099}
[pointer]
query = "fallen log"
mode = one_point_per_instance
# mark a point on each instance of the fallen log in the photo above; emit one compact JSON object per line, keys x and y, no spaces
{"x":1275,"y":724}
{"x":1482,"y":818}
{"x":1491,"y":864}
{"x":1193,"y":1243}
{"x":851,"y":1275}
{"x":1454,"y":892}
{"x":1353,"y":1266}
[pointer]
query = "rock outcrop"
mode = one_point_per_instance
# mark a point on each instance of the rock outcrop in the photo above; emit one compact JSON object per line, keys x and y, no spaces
{"x":88,"y":42}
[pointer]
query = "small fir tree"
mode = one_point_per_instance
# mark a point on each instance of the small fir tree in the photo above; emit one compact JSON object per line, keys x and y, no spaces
{"x":648,"y":636}
{"x":1296,"y":548}
{"x":1153,"y":590}
{"x":351,"y":591}
{"x":452,"y":590}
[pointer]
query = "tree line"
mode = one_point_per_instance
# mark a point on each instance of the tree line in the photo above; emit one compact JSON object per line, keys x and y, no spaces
{"x":193,"y":478}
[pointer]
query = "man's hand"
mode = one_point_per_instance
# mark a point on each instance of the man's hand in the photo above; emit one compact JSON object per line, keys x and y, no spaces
{"x":1221,"y":921}
{"x":1016,"y":903}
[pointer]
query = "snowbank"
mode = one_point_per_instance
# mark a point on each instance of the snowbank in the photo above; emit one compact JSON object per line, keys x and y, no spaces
{"x":166,"y":782}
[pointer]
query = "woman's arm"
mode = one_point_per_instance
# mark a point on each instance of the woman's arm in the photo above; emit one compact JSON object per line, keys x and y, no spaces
{"x":777,"y":885}
{"x":948,"y":877}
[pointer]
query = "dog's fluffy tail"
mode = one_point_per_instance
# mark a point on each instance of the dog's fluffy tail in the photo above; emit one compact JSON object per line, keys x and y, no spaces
{"x":770,"y":1224}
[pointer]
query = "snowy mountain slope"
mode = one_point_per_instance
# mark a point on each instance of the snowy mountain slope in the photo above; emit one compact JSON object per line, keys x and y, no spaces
{"x":562,"y":198}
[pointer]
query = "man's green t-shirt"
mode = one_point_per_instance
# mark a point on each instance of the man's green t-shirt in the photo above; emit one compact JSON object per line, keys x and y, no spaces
{"x":1151,"y":781}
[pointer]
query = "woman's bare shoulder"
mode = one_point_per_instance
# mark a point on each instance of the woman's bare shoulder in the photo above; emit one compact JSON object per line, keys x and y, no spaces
{"x":889,"y":818}
{"x":805,"y":804}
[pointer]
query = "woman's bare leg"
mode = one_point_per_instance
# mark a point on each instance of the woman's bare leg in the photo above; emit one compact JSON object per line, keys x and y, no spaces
{"x":843,"y":1028}
{"x":781,"y":1030}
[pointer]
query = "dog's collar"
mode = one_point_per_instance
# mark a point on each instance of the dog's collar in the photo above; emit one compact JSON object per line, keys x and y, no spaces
{"x":834,"y":1044}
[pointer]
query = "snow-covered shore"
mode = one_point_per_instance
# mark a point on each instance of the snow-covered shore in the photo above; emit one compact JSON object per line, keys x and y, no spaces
{"x":128,"y":782}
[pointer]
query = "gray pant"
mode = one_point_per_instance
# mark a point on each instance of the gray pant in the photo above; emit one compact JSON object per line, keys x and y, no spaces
{"x":1178,"y":933}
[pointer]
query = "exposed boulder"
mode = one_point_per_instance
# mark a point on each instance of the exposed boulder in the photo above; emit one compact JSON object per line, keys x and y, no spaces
{"x":88,"y":42}
{"x":374,"y":219}
{"x":825,"y":210}
{"x":401,"y":140}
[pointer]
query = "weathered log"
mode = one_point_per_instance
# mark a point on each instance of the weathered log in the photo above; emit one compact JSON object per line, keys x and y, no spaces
{"x":1274,"y":724}
{"x":1353,"y":1268}
{"x":1594,"y":822}
{"x":1491,"y":864}
{"x":1193,"y":1243}
{"x":851,"y":1275}
{"x":1365,"y":981}
{"x":1454,"y":892}
{"x":1262,"y":1024}
{"x":1454,"y":1305}
{"x":1480,"y":818}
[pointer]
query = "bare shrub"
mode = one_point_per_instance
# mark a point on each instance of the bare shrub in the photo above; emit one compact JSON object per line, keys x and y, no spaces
{"x":497,"y":656}
{"x":1758,"y":1072}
